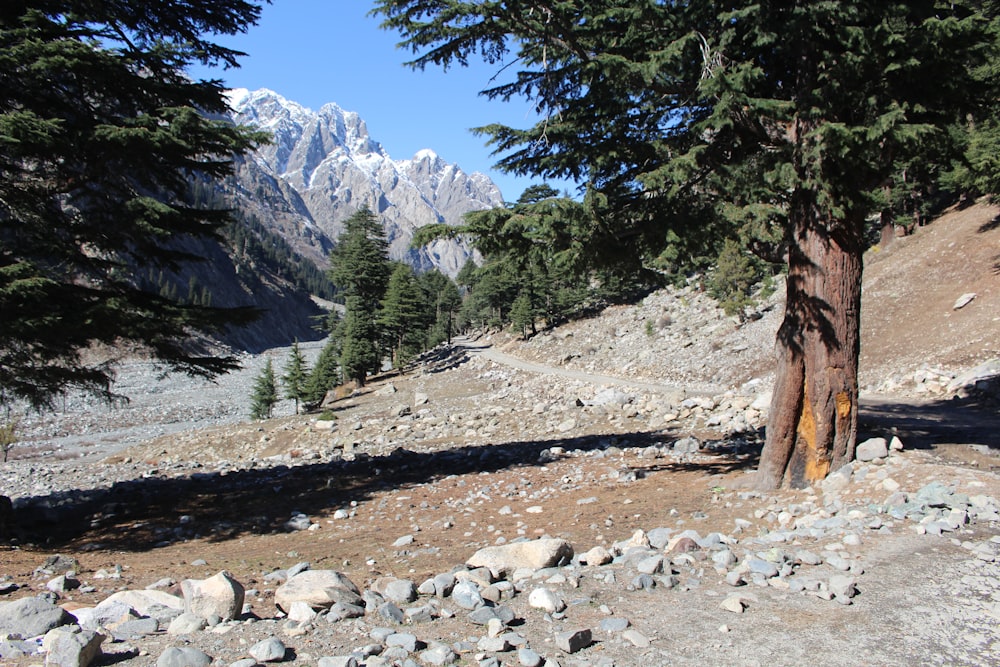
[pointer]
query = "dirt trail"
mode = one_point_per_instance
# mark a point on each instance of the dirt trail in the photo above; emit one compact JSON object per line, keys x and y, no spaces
{"x":490,"y":352}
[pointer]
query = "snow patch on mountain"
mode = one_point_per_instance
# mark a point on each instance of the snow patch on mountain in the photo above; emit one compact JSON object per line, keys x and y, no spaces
{"x":334,"y":166}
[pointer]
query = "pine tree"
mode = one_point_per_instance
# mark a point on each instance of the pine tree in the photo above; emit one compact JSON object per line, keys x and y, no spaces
{"x":101,"y":133}
{"x":296,"y":375}
{"x":522,"y":315}
{"x":698,"y":121}
{"x":359,"y":354}
{"x":265,"y":393}
{"x":325,"y":374}
{"x":359,"y":267}
{"x":441,"y":294}
{"x":403,"y":316}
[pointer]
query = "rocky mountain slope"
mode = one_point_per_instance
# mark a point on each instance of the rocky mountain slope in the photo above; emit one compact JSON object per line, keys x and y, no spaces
{"x":323,"y":165}
{"x":319,"y":168}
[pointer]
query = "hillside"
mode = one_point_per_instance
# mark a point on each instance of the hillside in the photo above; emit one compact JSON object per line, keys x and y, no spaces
{"x":909,"y":320}
{"x":913,"y":338}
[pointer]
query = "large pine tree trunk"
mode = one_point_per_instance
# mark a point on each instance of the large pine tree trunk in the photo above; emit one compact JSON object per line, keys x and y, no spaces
{"x":814,"y":408}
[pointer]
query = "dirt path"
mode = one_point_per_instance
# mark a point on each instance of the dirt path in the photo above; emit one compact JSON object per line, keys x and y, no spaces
{"x":490,"y":352}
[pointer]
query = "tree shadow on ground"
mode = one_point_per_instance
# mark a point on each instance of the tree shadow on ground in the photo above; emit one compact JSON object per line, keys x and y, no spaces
{"x":141,"y":514}
{"x":934,"y":423}
{"x":989,"y":226}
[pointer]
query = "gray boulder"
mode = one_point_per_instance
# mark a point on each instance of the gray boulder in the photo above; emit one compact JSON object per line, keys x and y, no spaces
{"x":71,"y":647}
{"x":321,"y":589}
{"x":31,"y":617}
{"x":183,"y":656}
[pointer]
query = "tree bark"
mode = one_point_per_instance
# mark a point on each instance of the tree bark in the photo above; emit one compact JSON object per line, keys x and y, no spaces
{"x":814,"y":409}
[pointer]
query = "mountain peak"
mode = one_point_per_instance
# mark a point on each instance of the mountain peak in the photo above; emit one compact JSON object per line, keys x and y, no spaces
{"x":329,"y":164}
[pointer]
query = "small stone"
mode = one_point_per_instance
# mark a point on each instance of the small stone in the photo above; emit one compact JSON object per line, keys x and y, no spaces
{"x":31,"y":617}
{"x":404,"y":640}
{"x":438,"y":654}
{"x":400,"y":591}
{"x":271,"y":649}
{"x":528,"y":658}
{"x":302,"y":612}
{"x":134,"y":628}
{"x":597,"y":556}
{"x":220,"y":596}
{"x":636,"y":638}
{"x":63,"y":583}
{"x":614,"y":624}
{"x":843,"y":586}
{"x":543,"y":598}
{"x":872,"y":449}
{"x":534,"y":554}
{"x":319,"y":588}
{"x":338,"y":661}
{"x":734,"y":604}
{"x":466,"y":595}
{"x":761,"y":566}
{"x":184,"y":656}
{"x":964,"y":300}
{"x":298,"y":522}
{"x":493,"y":645}
{"x":572,"y":641}
{"x":186,"y":624}
{"x":391,"y":612}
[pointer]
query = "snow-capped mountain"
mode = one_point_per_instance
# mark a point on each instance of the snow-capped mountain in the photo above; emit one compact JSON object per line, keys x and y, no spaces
{"x":322,"y":166}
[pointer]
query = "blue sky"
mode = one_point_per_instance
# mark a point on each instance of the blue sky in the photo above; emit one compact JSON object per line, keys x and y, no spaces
{"x":319,"y":51}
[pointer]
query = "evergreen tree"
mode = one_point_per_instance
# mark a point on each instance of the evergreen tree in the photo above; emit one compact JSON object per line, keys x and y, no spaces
{"x":359,"y":267}
{"x":296,"y":375}
{"x":693,"y":122}
{"x":101,"y":133}
{"x":265,"y":393}
{"x":529,"y":248}
{"x":359,"y":353}
{"x":325,"y":374}
{"x":522,"y":315}
{"x":731,"y":281}
{"x":403,"y":315}
{"x":359,"y":264}
{"x":441,"y":294}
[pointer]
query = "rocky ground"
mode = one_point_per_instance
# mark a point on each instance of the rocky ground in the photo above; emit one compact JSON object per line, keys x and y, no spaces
{"x":627,"y":438}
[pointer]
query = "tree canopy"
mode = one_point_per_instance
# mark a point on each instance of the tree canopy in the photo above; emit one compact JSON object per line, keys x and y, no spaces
{"x":778,"y":122}
{"x":101,"y":132}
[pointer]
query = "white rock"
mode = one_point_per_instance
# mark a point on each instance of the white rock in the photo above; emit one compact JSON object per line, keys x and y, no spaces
{"x":964,"y":300}
{"x":220,"y":595}
{"x":535,"y":554}
{"x":319,"y":588}
{"x":268,"y":650}
{"x":546,"y":600}
{"x":872,"y":449}
{"x":142,"y":601}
